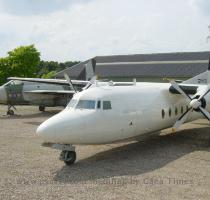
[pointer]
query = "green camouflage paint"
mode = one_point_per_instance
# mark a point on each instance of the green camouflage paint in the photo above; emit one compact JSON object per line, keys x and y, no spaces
{"x":14,"y":92}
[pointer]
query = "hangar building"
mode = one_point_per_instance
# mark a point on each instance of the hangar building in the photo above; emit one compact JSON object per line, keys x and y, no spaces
{"x":144,"y":67}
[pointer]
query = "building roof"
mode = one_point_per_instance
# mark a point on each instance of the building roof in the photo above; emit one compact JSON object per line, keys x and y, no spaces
{"x":186,"y":64}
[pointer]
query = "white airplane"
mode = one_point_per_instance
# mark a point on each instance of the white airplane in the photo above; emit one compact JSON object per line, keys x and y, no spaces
{"x":109,"y":112}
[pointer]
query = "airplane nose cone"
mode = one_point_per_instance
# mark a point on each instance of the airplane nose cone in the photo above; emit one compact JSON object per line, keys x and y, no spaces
{"x":42,"y":129}
{"x":58,"y":129}
{"x":3,"y":95}
{"x":48,"y":129}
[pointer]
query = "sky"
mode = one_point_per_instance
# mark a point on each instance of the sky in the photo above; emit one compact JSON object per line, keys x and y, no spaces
{"x":64,"y":30}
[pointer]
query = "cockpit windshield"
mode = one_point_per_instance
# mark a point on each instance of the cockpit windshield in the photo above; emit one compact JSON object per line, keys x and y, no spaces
{"x":13,"y":82}
{"x":86,"y":104}
{"x":72,"y":103}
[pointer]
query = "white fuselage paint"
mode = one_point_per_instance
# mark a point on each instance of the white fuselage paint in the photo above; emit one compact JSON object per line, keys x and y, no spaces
{"x":136,"y":110}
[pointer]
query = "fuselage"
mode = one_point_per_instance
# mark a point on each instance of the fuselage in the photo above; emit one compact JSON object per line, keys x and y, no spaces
{"x":17,"y":93}
{"x":106,"y":114}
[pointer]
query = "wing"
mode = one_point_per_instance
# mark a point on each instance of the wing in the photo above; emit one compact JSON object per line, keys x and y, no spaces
{"x":50,"y":81}
{"x":54,"y":92}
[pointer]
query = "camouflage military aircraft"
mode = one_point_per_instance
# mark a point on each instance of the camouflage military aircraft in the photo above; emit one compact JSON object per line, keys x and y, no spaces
{"x":41,"y":92}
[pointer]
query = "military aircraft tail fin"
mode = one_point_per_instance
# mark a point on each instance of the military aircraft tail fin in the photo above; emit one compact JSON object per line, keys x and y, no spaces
{"x":90,"y":69}
{"x":200,"y":79}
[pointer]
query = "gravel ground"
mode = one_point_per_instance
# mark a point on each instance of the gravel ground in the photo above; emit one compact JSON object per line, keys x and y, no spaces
{"x":171,"y":166}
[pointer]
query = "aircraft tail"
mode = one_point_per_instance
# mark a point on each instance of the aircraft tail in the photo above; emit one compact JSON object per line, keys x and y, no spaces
{"x":200,"y":79}
{"x":90,"y":69}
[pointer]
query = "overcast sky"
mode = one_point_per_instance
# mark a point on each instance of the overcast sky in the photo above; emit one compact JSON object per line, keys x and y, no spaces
{"x":79,"y":29}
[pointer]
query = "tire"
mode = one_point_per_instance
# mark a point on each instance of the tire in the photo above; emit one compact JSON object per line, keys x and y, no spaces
{"x":10,"y":112}
{"x":41,"y":108}
{"x":69,"y":157}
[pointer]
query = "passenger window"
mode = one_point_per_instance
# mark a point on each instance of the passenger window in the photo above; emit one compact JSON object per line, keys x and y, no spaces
{"x":169,"y":112}
{"x":107,"y":105}
{"x":163,"y":114}
{"x":176,"y":111}
{"x":99,"y":105}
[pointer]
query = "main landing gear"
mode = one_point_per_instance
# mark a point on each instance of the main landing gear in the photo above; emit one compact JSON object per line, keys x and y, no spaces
{"x":42,"y":108}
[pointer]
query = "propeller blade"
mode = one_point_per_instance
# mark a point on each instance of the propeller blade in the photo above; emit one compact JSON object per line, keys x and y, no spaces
{"x":205,"y":113}
{"x":93,"y":79}
{"x":182,"y":119}
{"x":69,"y":81}
{"x":178,"y":88}
{"x":204,"y":93}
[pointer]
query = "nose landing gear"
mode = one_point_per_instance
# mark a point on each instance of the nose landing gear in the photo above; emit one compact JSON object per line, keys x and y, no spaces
{"x":68,"y":154}
{"x":68,"y":157}
{"x":10,"y":111}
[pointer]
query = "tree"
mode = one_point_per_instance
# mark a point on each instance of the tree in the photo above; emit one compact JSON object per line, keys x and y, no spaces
{"x":24,"y":61}
{"x":5,"y":70}
{"x":49,"y":75}
{"x":45,"y":67}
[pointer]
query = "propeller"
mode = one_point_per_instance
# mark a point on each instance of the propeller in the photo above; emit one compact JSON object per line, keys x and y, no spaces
{"x":177,"y":87}
{"x":92,"y":81}
{"x":69,"y":81}
{"x":182,"y":119}
{"x":195,"y":104}
{"x":89,"y":73}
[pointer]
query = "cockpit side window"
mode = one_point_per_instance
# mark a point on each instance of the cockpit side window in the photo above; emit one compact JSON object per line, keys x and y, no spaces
{"x":86,"y":104}
{"x":107,"y":105}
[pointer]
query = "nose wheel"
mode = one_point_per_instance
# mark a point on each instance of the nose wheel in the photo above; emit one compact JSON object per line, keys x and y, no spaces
{"x":10,"y":111}
{"x":69,"y":157}
{"x":68,"y":154}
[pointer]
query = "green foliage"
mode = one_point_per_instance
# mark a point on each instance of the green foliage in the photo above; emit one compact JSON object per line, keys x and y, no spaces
{"x":24,"y":61}
{"x":47,"y":66}
{"x":49,"y":75}
{"x":5,"y":70}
